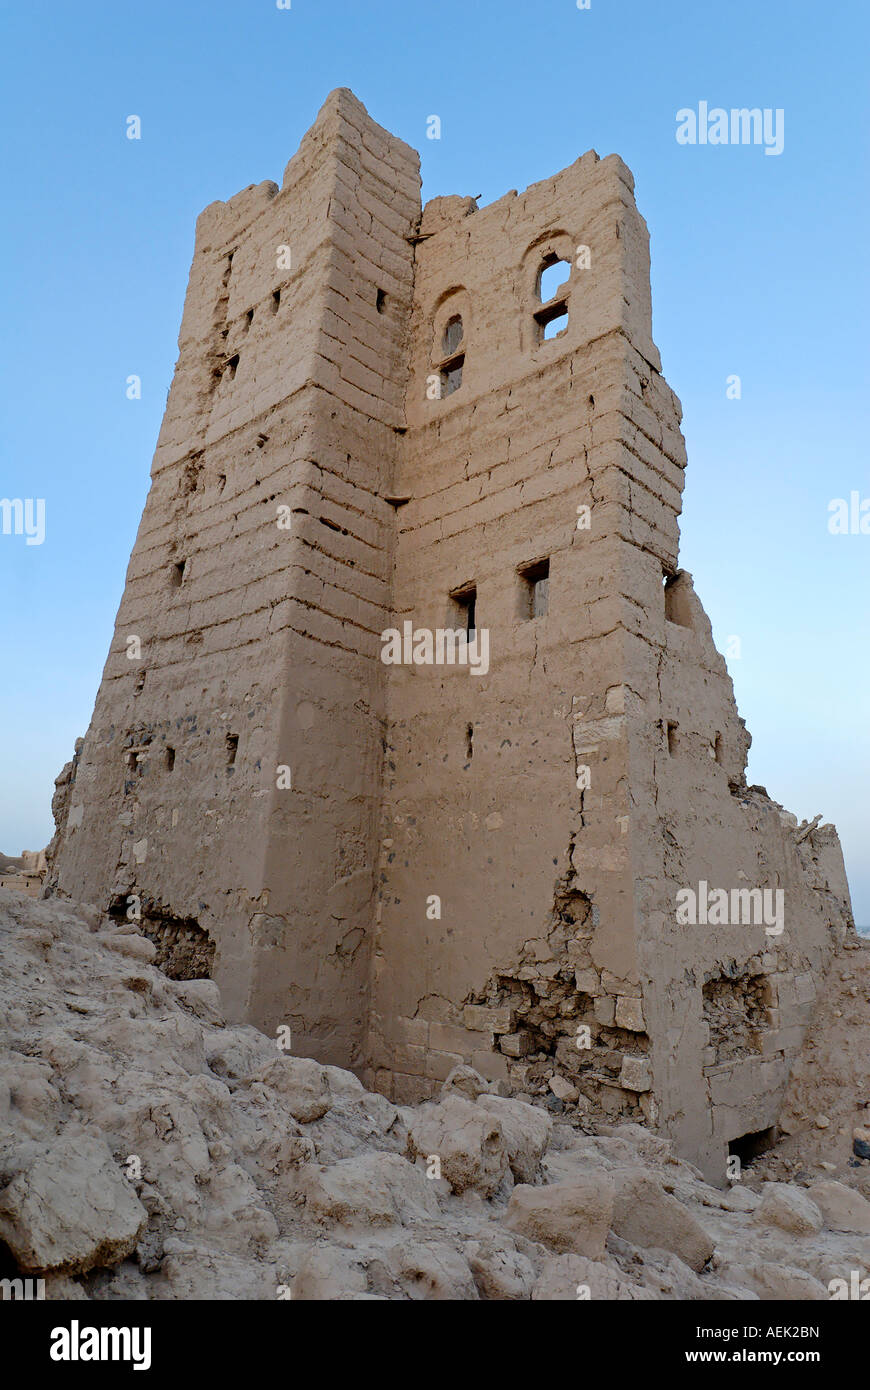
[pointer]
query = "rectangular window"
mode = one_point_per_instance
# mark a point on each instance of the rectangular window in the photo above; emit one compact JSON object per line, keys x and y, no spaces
{"x":463,"y":606}
{"x":535,"y":589}
{"x":677,"y":606}
{"x":451,"y":376}
{"x":552,"y":321}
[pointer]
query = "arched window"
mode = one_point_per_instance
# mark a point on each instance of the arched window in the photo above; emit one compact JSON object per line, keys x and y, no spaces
{"x":552,"y":289}
{"x":453,"y":333}
{"x":450,"y":355}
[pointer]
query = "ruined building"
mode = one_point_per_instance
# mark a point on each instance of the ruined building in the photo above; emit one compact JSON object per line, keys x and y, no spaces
{"x":381,"y":415}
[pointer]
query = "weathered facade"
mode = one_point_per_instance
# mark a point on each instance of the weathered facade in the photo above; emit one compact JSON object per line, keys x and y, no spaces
{"x":375,"y":421}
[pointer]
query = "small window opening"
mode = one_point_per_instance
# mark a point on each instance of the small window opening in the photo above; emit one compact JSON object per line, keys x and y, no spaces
{"x":451,"y":376}
{"x":750,"y":1146}
{"x":170,"y":759}
{"x":553,"y":278}
{"x":552,"y":319}
{"x":677,"y":606}
{"x":535,"y":589}
{"x":231,"y":367}
{"x":176,"y":575}
{"x":276,"y":300}
{"x":554,"y":327}
{"x":464,"y":609}
{"x":381,"y":301}
{"x":673,"y":738}
{"x":453,"y":333}
{"x":232,"y":749}
{"x":469,"y":741}
{"x":249,"y":319}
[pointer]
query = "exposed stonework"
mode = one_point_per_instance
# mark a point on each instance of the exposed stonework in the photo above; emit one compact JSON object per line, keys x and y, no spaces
{"x":371,"y":424}
{"x":149,"y":1149}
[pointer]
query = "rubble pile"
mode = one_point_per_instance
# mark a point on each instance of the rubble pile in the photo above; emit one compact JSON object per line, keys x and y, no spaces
{"x":149,"y":1149}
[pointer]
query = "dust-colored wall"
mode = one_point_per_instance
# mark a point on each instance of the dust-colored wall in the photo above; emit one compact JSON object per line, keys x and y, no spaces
{"x":289,"y":402}
{"x":413,"y":865}
{"x":482,"y":806}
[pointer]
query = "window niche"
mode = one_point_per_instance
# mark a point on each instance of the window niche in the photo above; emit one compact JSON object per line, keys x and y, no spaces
{"x":462,"y":613}
{"x":552,"y":288}
{"x":534,"y":599}
{"x":678,"y":607}
{"x":449,"y":346}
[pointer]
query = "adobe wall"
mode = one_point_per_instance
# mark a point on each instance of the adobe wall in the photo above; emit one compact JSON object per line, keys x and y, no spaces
{"x":557,"y":906}
{"x":425,"y":882}
{"x":269,"y":637}
{"x":482,"y":808}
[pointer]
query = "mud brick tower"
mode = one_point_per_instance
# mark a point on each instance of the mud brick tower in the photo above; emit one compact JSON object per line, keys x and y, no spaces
{"x":380,"y":414}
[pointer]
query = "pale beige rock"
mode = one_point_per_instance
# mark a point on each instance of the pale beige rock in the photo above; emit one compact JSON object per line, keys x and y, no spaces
{"x":646,"y":1215}
{"x":432,"y":1271}
{"x":571,"y":1217}
{"x":68,"y":1207}
{"x":375,"y":1190}
{"x":775,"y":1281}
{"x":842,"y":1208}
{"x":327,"y":1272}
{"x":500,"y":1271}
{"x":636,"y":1074}
{"x":471,"y":1143}
{"x":740,"y":1199}
{"x":302,"y":1084}
{"x":527,"y":1130}
{"x":572,"y":1278}
{"x":467,"y":1081}
{"x":563,"y":1090}
{"x":155,"y":1073}
{"x":789,"y":1208}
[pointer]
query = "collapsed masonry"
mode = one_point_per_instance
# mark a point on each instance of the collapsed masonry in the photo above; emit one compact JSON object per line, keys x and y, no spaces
{"x":382,"y":415}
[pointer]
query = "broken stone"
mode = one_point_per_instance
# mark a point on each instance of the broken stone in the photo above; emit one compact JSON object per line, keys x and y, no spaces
{"x":563,"y":1089}
{"x":629,"y":1013}
{"x":789,"y":1208}
{"x":636,"y":1074}
{"x":479,"y":1019}
{"x":842,"y":1207}
{"x":302,"y":1084}
{"x":68,"y":1207}
{"x":380,"y":1189}
{"x":499,"y":1270}
{"x":569,"y":1216}
{"x":569,"y":1278}
{"x":646,"y":1215}
{"x":470,"y":1143}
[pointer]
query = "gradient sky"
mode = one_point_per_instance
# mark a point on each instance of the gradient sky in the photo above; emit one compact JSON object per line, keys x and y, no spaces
{"x":759,"y":268}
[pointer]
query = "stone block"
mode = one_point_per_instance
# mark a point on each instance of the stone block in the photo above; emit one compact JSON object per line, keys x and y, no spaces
{"x":481,"y":1019}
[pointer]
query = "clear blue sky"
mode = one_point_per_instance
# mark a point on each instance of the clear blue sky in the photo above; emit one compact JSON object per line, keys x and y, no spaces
{"x":759,"y":268}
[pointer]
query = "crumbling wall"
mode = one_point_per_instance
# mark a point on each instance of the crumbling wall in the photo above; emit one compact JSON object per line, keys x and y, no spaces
{"x":377,"y":419}
{"x":483,"y":814}
{"x":696,"y":822}
{"x":231,"y":770}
